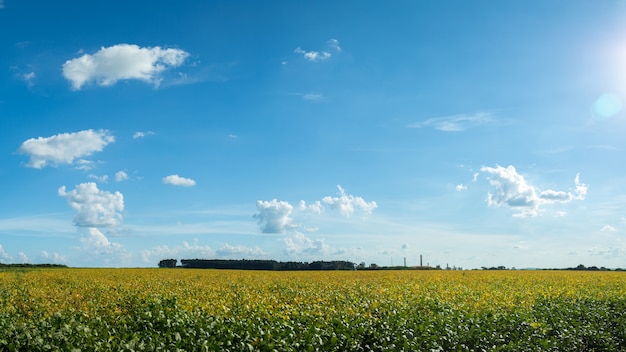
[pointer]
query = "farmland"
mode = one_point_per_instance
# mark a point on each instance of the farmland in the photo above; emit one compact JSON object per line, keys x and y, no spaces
{"x":207,"y":310}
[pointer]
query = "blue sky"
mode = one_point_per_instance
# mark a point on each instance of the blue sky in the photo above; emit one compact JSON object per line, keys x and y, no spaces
{"x":474,"y":133}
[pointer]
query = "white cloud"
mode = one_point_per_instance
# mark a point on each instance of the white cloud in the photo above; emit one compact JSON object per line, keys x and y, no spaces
{"x":312,"y":96}
{"x":315,"y":56}
{"x":94,"y":207}
{"x":29,"y":78}
{"x":239,"y":251}
{"x":606,"y":251}
{"x":102,"y":179}
{"x":609,"y":228}
{"x":84,"y":165}
{"x":184,"y":251}
{"x":513,"y":191}
{"x":461,"y":187}
{"x":347,"y":203}
{"x":122,"y":62}
{"x":64,"y":148}
{"x":455,"y":123}
{"x":274,"y":216}
{"x":315,"y":207}
{"x":140,"y":134}
{"x":4,"y":256}
{"x":23,"y":258}
{"x":298,"y":244}
{"x":520,"y":245}
{"x":178,"y":181}
{"x":334,"y":44}
{"x":121,"y":176}
{"x":56,"y":258}
{"x":95,"y":242}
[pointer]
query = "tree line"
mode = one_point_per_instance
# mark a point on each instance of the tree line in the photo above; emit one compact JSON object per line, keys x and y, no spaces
{"x":257,"y":264}
{"x":27,"y":265}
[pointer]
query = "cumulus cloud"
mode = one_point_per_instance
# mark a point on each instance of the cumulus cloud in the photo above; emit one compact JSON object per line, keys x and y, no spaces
{"x":315,"y":207}
{"x":4,"y":256}
{"x":347,"y":203}
{"x":298,"y":244}
{"x":184,"y":251}
{"x":315,"y":56}
{"x":55,"y":258}
{"x":239,"y":251}
{"x":94,"y":207}
{"x":455,"y":123}
{"x":512,"y":190}
{"x":95,"y":242}
{"x":122,"y":62}
{"x":179,"y":181}
{"x":121,"y":176}
{"x":64,"y":148}
{"x":274,"y":216}
{"x":461,"y":187}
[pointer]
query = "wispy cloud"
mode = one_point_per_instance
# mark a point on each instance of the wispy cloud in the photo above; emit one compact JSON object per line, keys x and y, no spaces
{"x":315,"y":56}
{"x":455,"y":123}
{"x":29,"y":78}
{"x":140,"y":134}
{"x":102,"y":179}
{"x":122,"y":62}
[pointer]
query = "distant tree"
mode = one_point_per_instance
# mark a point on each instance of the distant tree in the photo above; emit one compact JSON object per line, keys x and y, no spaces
{"x":168,"y":263}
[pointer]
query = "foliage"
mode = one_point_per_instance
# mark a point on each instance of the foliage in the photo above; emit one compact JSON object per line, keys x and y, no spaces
{"x":210,"y":310}
{"x":260,"y":264}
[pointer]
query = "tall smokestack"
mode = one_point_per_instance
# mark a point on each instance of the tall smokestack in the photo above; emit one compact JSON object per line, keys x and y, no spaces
{"x":420,"y":260}
{"x":405,"y":262}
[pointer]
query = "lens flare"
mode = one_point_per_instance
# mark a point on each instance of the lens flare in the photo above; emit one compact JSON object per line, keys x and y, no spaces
{"x":607,"y":106}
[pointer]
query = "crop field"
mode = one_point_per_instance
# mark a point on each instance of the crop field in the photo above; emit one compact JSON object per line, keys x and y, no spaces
{"x":216,"y":310}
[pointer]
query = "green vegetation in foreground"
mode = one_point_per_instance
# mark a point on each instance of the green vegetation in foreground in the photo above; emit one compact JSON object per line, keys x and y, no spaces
{"x":212,"y":310}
